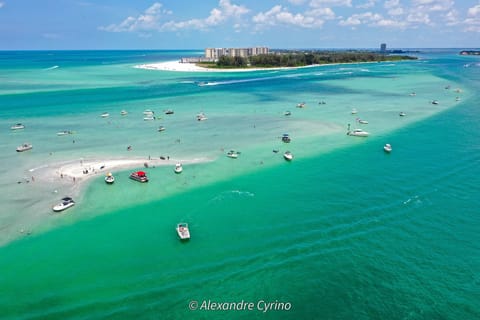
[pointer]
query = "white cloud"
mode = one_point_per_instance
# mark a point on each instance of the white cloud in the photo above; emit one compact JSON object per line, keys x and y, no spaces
{"x":432,"y":5}
{"x":474,"y":11}
{"x":152,"y":19}
{"x":362,"y":18}
{"x":391,"y":4}
{"x":278,"y":15}
{"x":2,"y":4}
{"x":368,"y":4}
{"x":331,"y":3}
{"x":419,"y":18}
{"x":217,"y":16}
{"x":398,"y":11}
{"x":297,"y":2}
{"x":472,"y":23}
{"x":452,"y":18}
{"x":149,"y":20}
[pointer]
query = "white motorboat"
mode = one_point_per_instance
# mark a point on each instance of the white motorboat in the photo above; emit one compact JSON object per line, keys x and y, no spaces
{"x":183,"y":231}
{"x":139,"y":176}
{"x":123,"y":112}
{"x":301,"y":105}
{"x":178,"y":168}
{"x":402,"y":114}
{"x":148,"y":118}
{"x":105,"y":115}
{"x":109,"y":178}
{"x":361,"y":121}
{"x":288,"y":156}
{"x":354,"y":111}
{"x":233,"y":154}
{"x":64,"y":133}
{"x":17,"y":126}
{"x":24,"y":147}
{"x":287,"y":113}
{"x":148,"y":112}
{"x":413,"y":94}
{"x":66,"y":203}
{"x":358,"y":133}
{"x":435,"y":102}
{"x":387,"y":148}
{"x":161,"y":128}
{"x":201,"y":117}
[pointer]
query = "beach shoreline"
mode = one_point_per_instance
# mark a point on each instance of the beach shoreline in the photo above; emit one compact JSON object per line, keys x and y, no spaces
{"x":192,"y":67}
{"x":82,"y":170}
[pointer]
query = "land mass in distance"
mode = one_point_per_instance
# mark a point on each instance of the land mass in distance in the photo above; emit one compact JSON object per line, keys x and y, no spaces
{"x":301,"y":59}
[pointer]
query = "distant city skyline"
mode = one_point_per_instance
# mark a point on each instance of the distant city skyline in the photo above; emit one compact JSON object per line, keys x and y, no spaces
{"x":168,"y":24}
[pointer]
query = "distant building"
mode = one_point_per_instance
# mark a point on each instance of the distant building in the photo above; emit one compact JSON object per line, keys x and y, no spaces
{"x":383,"y":47}
{"x":215,"y":53}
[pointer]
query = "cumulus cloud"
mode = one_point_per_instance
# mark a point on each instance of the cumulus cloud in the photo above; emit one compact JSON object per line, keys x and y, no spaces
{"x":279,"y":15}
{"x":297,"y":2}
{"x":331,"y":3}
{"x":153,"y":19}
{"x":368,"y":4}
{"x":473,"y":19}
{"x":223,"y":13}
{"x":147,"y":21}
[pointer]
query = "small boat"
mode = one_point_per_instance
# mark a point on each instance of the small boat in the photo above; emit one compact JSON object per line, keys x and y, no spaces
{"x":105,"y":115}
{"x":139,"y":176}
{"x":362,"y":121}
{"x":288,"y":156}
{"x":178,"y":168}
{"x":358,"y":133}
{"x":17,"y":126}
{"x":161,"y":128}
{"x":201,"y":117}
{"x":24,"y":147}
{"x":64,"y":133}
{"x":301,"y":105}
{"x":233,"y":154}
{"x":286,"y":138}
{"x":287,"y":113}
{"x":402,"y":114}
{"x":183,"y":231}
{"x":148,"y":118}
{"x":123,"y":112}
{"x":109,"y":178}
{"x":354,"y":111}
{"x":457,"y":99}
{"x":435,"y":102}
{"x":169,"y":111}
{"x":413,"y":94}
{"x":148,"y":112}
{"x":66,"y":203}
{"x":387,"y":148}
{"x":322,"y":102}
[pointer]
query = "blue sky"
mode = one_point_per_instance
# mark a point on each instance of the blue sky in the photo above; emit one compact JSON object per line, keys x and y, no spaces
{"x":196,"y":24}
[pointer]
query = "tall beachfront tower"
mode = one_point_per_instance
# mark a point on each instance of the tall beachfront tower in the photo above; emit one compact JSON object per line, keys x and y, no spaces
{"x":383,"y":47}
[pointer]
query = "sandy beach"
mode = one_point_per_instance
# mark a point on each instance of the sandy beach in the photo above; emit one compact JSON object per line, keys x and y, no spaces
{"x":191,"y":67}
{"x":83,"y":169}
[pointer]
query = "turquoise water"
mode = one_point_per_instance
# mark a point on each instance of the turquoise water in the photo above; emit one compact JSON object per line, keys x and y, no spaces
{"x":344,"y":231}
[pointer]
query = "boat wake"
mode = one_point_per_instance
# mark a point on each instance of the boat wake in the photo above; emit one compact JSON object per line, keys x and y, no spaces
{"x":51,"y":68}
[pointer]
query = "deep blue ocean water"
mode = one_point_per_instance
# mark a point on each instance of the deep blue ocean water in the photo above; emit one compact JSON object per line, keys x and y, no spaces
{"x":345,"y":231}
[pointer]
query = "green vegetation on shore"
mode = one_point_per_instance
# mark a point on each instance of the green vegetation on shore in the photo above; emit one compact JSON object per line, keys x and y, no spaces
{"x":301,"y":59}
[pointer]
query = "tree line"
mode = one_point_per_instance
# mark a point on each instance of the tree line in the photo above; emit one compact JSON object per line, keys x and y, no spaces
{"x":300,"y":59}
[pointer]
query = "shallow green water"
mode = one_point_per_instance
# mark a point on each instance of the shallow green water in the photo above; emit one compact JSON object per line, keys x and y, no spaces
{"x":344,"y":231}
